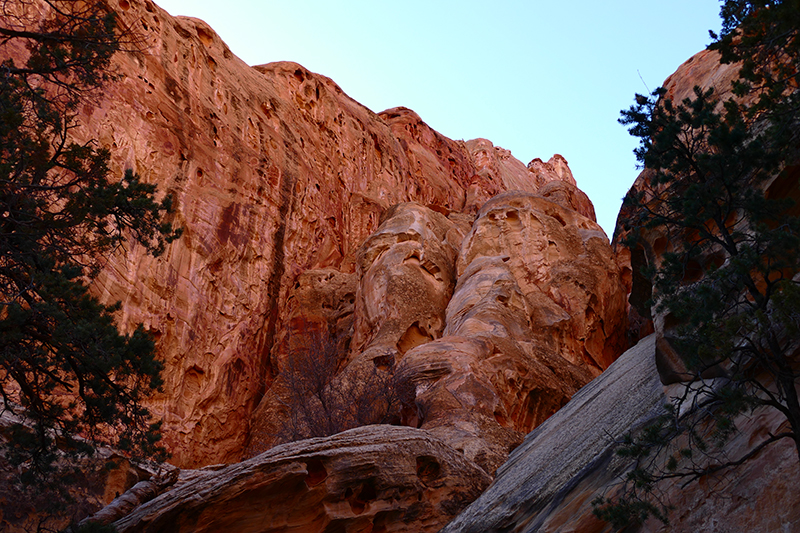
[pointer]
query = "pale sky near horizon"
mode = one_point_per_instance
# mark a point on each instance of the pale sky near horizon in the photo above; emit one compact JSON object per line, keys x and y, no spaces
{"x":535,"y":77}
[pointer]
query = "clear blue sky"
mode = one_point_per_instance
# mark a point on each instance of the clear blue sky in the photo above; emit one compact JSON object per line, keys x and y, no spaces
{"x":534,"y":77}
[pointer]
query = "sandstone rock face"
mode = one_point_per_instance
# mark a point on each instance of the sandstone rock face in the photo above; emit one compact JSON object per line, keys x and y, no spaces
{"x":561,"y":266}
{"x":495,"y":330}
{"x":528,"y":493}
{"x":537,"y":289}
{"x":483,"y":285}
{"x":703,"y":70}
{"x":376,"y":478}
{"x":406,"y":278}
{"x":548,"y":483}
{"x":278,"y":179}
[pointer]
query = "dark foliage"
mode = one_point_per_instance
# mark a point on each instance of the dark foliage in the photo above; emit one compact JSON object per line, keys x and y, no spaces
{"x":65,"y":369}
{"x":726,"y":284}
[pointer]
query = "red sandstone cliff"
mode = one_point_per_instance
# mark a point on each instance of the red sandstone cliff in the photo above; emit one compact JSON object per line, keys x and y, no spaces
{"x":487,"y":282}
{"x":277,"y":173}
{"x":759,"y":495}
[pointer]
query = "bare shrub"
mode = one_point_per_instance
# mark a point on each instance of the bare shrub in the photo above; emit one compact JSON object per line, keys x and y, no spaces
{"x":324,"y":399}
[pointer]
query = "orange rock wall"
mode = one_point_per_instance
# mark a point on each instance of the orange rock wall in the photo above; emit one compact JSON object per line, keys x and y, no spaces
{"x":275,"y":173}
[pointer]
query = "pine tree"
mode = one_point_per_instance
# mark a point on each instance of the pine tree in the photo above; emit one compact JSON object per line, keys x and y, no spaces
{"x":66,"y":372}
{"x":727,"y":286}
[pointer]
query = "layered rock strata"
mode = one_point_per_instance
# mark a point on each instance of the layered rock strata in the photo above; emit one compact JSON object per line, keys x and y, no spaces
{"x":549,"y":481}
{"x":375,"y":478}
{"x":535,"y":490}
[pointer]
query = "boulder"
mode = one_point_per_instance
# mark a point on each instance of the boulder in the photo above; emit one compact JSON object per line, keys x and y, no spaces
{"x":376,"y":478}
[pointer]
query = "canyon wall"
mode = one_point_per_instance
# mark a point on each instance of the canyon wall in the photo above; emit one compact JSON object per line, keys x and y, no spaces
{"x":483,"y":285}
{"x":477,"y":290}
{"x":280,"y":183}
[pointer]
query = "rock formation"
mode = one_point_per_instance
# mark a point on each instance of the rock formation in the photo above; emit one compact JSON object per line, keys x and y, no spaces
{"x":484,"y":285}
{"x":548,"y":483}
{"x":278,"y":176}
{"x":479,"y":292}
{"x":374,"y":478}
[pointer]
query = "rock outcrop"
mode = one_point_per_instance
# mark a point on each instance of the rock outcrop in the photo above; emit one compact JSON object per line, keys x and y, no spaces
{"x":481,"y":289}
{"x":542,"y":486}
{"x":276,"y":174}
{"x":549,"y":482}
{"x":375,"y":478}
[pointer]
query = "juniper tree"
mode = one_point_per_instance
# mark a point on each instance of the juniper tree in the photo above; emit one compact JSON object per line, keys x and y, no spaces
{"x":726,"y":284}
{"x":66,"y":372}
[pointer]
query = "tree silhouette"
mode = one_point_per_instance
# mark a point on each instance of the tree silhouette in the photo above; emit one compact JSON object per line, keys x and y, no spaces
{"x":726,"y":286}
{"x":67,"y":375}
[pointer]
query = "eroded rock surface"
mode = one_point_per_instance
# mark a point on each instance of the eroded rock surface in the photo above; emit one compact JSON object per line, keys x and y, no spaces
{"x":538,"y":288}
{"x":549,"y":482}
{"x":276,"y":174}
{"x":577,"y":441}
{"x":375,"y":478}
{"x":485,"y":285}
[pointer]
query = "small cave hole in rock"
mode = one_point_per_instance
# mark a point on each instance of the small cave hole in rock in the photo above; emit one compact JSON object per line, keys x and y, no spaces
{"x":335,"y":526}
{"x":501,"y":419}
{"x":205,"y":37}
{"x":428,"y":468}
{"x":413,"y":337}
{"x":641,"y":288}
{"x":359,"y":499}
{"x":193,"y":380}
{"x":316,"y":472}
{"x":384,"y":362}
{"x":560,"y":219}
{"x":124,"y":5}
